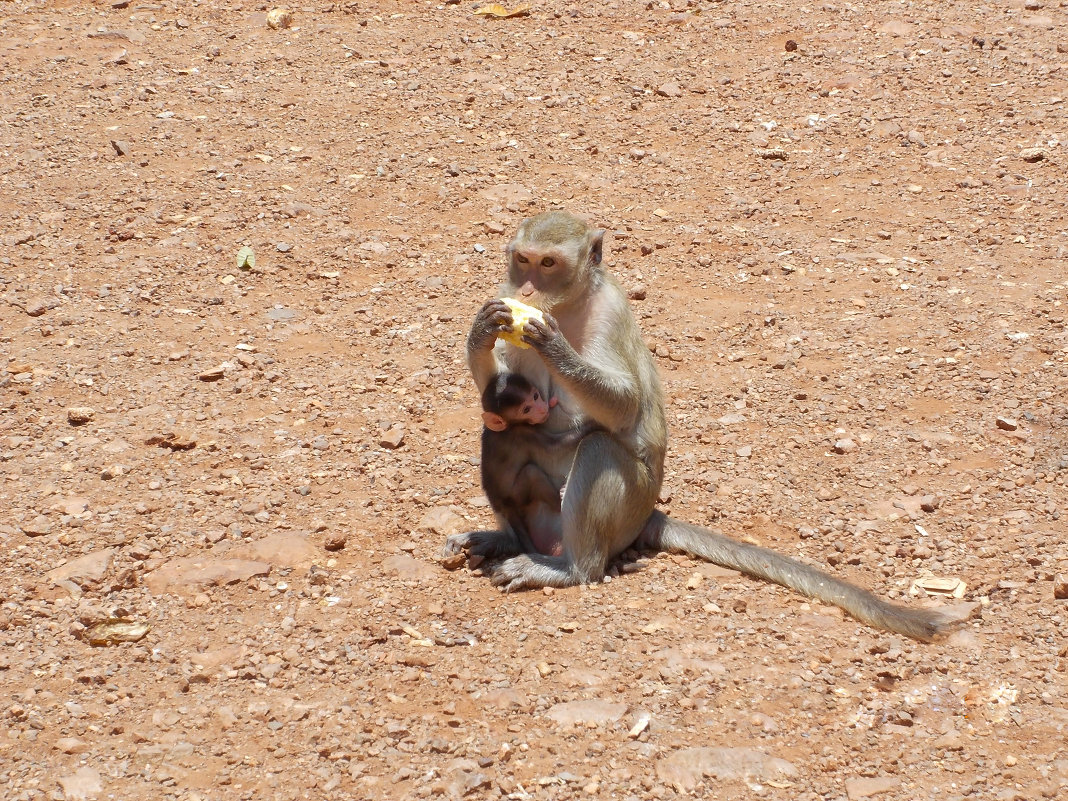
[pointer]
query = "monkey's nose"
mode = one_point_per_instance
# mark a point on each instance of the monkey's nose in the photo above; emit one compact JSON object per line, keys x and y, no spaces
{"x":527,"y":289}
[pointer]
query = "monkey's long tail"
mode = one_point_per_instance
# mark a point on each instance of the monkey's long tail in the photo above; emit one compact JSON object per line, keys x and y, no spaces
{"x":665,"y":533}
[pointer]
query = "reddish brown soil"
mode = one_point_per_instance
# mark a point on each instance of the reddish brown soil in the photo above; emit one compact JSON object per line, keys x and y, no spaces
{"x":848,"y":220}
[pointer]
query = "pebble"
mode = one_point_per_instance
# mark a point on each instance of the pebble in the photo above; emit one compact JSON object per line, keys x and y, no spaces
{"x":283,"y":247}
{"x":670,"y":89}
{"x":38,"y":527}
{"x":1006,"y":423}
{"x":214,"y":374}
{"x":1034,"y":154}
{"x":1060,"y":587}
{"x":80,"y":415}
{"x":392,"y":438}
{"x":121,"y":147}
{"x":845,"y":445}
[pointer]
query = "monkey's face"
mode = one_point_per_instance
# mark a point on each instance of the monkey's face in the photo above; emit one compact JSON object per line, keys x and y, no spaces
{"x":552,"y":259}
{"x":540,"y":275}
{"x":532,"y":410}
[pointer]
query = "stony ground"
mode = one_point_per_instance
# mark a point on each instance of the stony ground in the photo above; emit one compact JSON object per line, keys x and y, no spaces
{"x":843,"y":225}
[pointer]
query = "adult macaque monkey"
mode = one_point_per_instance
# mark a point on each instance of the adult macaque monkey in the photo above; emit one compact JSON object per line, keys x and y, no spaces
{"x":590,"y":354}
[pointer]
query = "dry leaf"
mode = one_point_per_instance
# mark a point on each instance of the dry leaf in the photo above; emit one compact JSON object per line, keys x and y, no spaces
{"x":499,"y":11}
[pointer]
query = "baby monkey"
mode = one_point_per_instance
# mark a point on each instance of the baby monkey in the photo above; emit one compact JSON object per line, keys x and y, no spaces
{"x":519,"y":490}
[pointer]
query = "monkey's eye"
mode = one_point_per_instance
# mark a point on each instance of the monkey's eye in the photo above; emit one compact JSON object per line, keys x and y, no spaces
{"x":519,"y":257}
{"x":548,"y":262}
{"x":536,"y":395}
{"x":526,"y":410}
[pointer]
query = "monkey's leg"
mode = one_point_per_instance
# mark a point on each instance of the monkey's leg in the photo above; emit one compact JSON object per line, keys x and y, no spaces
{"x":665,"y":533}
{"x":608,"y":497}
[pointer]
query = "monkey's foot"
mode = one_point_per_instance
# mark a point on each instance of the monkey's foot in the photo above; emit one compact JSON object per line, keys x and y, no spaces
{"x":487,"y":544}
{"x":532,"y":571}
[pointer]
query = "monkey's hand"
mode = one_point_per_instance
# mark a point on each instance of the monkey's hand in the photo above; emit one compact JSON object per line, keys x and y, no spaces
{"x":545,"y":337}
{"x":485,"y":544}
{"x":492,"y":319}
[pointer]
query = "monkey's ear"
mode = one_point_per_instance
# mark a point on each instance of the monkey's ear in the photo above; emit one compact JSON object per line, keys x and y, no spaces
{"x":494,"y":422}
{"x":596,"y":240}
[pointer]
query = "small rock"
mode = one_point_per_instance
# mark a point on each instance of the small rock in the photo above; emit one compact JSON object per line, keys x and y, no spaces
{"x":111,"y":471}
{"x":929,"y":503}
{"x":283,"y":247}
{"x":493,"y":227}
{"x":80,"y":415}
{"x":278,"y":18}
{"x":1006,"y":423}
{"x":746,"y":451}
{"x":845,"y":446}
{"x":1060,"y":587}
{"x":670,"y":89}
{"x":71,"y":745}
{"x":122,"y":148}
{"x":1033,"y":154}
{"x":37,"y":527}
{"x":335,"y":541}
{"x":214,"y":374}
{"x":392,"y":438}
{"x":453,"y":561}
{"x":637,"y":292}
{"x":790,"y":45}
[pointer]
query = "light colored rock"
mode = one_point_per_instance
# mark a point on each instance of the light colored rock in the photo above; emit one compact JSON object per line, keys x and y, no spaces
{"x":409,"y":568}
{"x":80,"y":415}
{"x":585,"y":712}
{"x":685,"y":769}
{"x":90,"y":567}
{"x":37,"y":527}
{"x":82,"y":784}
{"x":283,"y":550}
{"x":443,"y":521}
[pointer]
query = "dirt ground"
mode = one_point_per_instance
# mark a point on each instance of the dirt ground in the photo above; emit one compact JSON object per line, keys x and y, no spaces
{"x":844,"y":229}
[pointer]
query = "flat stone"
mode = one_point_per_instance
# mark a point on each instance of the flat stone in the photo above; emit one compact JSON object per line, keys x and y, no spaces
{"x":191,"y":574}
{"x":409,"y":568}
{"x":586,"y":712}
{"x":442,"y":521}
{"x":283,"y":550}
{"x":83,"y":569}
{"x":685,"y":769}
{"x":82,"y":784}
{"x":864,"y":787}
{"x":37,"y":527}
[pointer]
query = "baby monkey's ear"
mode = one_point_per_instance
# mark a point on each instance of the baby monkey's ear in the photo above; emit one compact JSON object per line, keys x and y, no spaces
{"x":494,"y":422}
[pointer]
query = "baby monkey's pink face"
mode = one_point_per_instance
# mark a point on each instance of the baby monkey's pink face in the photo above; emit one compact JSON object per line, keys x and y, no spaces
{"x":532,"y":410}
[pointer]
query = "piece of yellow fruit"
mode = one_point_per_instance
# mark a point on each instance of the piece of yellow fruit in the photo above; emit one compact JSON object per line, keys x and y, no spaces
{"x":521,"y":313}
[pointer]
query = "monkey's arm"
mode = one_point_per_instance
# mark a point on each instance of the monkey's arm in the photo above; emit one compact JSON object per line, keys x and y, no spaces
{"x":602,"y":378}
{"x":482,"y":357}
